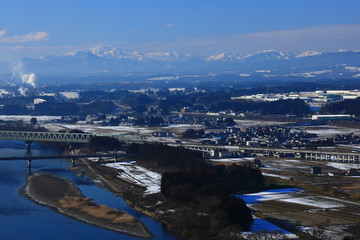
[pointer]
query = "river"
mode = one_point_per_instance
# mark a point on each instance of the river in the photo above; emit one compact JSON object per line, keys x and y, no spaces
{"x":21,"y":218}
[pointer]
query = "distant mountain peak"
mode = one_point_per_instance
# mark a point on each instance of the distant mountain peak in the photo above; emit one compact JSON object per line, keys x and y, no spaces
{"x":347,"y":50}
{"x":269,"y":54}
{"x":308,"y":54}
{"x":223,"y":57}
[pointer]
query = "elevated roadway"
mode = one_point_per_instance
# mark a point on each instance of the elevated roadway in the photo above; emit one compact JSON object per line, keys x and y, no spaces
{"x":322,"y":155}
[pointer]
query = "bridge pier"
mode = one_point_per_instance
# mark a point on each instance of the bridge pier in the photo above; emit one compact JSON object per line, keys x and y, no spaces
{"x":73,"y":162}
{"x":28,"y":145}
{"x":29,"y":164}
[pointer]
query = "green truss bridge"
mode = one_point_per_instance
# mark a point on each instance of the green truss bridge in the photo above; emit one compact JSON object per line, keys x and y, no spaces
{"x":66,"y":137}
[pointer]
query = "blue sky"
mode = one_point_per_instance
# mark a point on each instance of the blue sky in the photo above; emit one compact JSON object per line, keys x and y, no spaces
{"x":200,"y":27}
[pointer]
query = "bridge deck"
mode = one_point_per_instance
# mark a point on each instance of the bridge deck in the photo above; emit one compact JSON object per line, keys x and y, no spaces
{"x":50,"y":157}
{"x":278,"y":152}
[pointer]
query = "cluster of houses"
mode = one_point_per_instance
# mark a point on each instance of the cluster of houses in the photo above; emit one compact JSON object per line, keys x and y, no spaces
{"x":350,"y":172}
{"x":267,"y":137}
{"x":310,"y":97}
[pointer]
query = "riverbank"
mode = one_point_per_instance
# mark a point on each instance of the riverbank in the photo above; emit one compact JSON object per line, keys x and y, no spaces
{"x":152,"y":205}
{"x":62,"y":195}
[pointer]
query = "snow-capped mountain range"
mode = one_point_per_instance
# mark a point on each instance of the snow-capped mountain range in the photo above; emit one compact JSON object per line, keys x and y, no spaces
{"x":265,"y":63}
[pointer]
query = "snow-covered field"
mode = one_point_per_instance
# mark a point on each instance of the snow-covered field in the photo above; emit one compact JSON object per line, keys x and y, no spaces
{"x":322,"y":131}
{"x":26,"y":118}
{"x":343,"y":166}
{"x":292,"y":195}
{"x":273,"y":194}
{"x":297,"y":196}
{"x":260,"y":224}
{"x":275,"y":175}
{"x":231,"y":160}
{"x":138,"y":175}
{"x":317,"y":202}
{"x":283,"y":164}
{"x":249,"y":123}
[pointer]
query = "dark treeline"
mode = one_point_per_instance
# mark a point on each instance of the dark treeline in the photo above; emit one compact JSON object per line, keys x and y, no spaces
{"x":349,"y":106}
{"x":205,"y":188}
{"x":25,"y":127}
{"x":290,"y":106}
{"x":103,"y":143}
{"x":207,"y":179}
{"x":62,"y":108}
{"x":192,"y":133}
{"x":165,"y":156}
{"x":59,"y":108}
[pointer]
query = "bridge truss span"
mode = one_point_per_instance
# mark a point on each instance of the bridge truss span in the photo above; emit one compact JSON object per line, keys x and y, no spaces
{"x":65,"y":137}
{"x":46,"y":136}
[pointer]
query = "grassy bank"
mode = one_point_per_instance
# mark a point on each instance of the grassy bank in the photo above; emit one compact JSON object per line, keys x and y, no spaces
{"x":63,"y":196}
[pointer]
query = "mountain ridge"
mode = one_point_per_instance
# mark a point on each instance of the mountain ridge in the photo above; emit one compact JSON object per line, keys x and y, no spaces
{"x":119,"y":61}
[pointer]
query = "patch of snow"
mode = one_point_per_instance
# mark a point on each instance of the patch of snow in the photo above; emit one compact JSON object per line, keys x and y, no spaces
{"x":318,"y":202}
{"x":343,"y":166}
{"x":308,"y":74}
{"x":244,"y":75}
{"x":231,"y":159}
{"x":164,"y":78}
{"x":27,"y":118}
{"x":308,"y":54}
{"x":326,"y":132}
{"x":273,"y":194}
{"x":223,"y":56}
{"x":138,"y":175}
{"x":275,"y":175}
{"x":353,"y":69}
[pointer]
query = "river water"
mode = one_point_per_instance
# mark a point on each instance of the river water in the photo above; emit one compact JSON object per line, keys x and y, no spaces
{"x":21,"y":218}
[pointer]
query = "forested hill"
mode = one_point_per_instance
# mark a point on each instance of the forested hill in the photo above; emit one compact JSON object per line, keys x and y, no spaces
{"x":189,"y":180}
{"x":349,"y":106}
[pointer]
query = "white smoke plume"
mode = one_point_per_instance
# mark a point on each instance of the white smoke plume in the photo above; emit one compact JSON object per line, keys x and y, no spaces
{"x":26,"y":78}
{"x":23,"y":91}
{"x":4,"y":93}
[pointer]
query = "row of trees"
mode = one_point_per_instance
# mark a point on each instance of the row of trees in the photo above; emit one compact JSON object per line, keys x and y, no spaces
{"x":350,"y":106}
{"x":291,"y":106}
{"x":103,"y":143}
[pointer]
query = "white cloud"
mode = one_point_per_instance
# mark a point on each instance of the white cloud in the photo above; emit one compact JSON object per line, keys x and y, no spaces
{"x":30,"y":37}
{"x":170,"y":26}
{"x":2,"y":33}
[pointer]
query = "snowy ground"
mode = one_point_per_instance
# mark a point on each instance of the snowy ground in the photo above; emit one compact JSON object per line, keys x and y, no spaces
{"x":329,"y":131}
{"x":275,"y":175}
{"x":26,"y":118}
{"x":261,"y":225}
{"x":231,"y":160}
{"x":315,"y":201}
{"x":344,"y":166}
{"x":138,"y":175}
{"x":281,"y":165}
{"x":249,"y":123}
{"x":297,"y":196}
{"x":273,"y":194}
